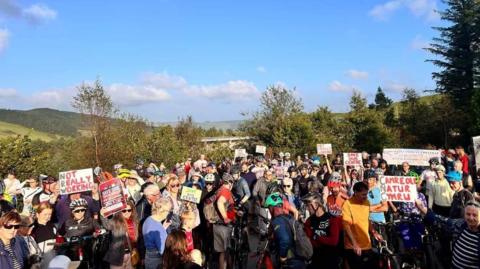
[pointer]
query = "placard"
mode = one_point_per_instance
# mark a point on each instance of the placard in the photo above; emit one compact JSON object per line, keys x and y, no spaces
{"x":261,"y":149}
{"x":419,"y":157}
{"x":324,"y":149}
{"x":353,"y":159}
{"x":240,"y":153}
{"x":75,"y":181}
{"x":112,"y":197}
{"x":191,"y":195}
{"x":398,"y":189}
{"x":476,"y":149}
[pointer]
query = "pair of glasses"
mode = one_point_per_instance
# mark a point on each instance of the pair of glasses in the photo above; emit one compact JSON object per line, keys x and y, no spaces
{"x":287,"y":186}
{"x":208,"y":183}
{"x":126,"y":210}
{"x":79,"y":211}
{"x":175,"y":186}
{"x":14,"y":226}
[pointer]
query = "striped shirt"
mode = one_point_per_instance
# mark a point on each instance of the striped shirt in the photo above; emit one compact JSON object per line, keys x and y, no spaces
{"x":465,"y":250}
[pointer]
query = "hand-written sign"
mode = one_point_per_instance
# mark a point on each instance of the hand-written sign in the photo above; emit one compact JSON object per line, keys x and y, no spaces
{"x":112,"y":198}
{"x":261,"y":149}
{"x":418,"y":157}
{"x":76,"y":181}
{"x":399,"y":189}
{"x":324,"y":149}
{"x":240,"y":153}
{"x":476,"y":149}
{"x":191,"y":195}
{"x":353,"y":159}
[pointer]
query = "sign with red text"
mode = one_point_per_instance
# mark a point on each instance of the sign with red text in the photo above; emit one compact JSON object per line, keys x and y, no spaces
{"x":111,"y":196}
{"x":352,"y":159}
{"x":399,"y":189}
{"x":324,"y":149}
{"x":419,"y":157}
{"x":75,"y":181}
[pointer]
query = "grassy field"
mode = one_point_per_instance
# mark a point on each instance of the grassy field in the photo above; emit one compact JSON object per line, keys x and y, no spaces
{"x":9,"y":129}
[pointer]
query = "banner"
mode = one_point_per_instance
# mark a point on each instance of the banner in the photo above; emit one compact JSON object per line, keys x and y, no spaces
{"x":111,"y":196}
{"x":353,"y":159}
{"x":261,"y":149}
{"x":419,"y":157}
{"x":324,"y":149}
{"x":476,"y":149}
{"x":398,"y":189}
{"x":240,"y":153}
{"x":76,"y":181}
{"x":191,"y":195}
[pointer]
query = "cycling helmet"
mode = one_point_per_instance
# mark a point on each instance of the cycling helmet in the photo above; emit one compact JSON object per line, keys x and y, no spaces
{"x":123,"y":173}
{"x":454,"y":176}
{"x":227,"y":178}
{"x":434,"y":161}
{"x":281,"y":155}
{"x":209,"y":178}
{"x":78,"y":203}
{"x":273,"y":200}
{"x":336,"y":176}
{"x":287,"y":154}
{"x":312,"y":197}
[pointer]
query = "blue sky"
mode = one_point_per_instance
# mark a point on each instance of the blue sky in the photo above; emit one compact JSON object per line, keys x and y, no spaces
{"x":167,"y":59}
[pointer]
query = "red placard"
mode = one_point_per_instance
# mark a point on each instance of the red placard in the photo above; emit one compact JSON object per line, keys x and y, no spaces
{"x":111,"y":196}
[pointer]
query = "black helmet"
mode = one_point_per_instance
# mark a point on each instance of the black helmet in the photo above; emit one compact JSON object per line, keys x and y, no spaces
{"x":434,"y":161}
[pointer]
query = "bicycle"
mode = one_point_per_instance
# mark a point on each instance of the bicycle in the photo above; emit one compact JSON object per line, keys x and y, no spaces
{"x":239,"y":247}
{"x":80,"y":248}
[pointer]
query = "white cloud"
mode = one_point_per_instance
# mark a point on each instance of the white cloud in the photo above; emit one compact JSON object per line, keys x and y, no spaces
{"x":132,"y":95}
{"x":261,"y":69}
{"x":8,"y":93}
{"x":419,"y":43}
{"x":39,"y":13}
{"x":357,"y":74}
{"x":394,"y":87}
{"x":4,"y":36}
{"x":420,"y":8}
{"x":232,"y":90}
{"x":337,"y":86}
{"x":164,"y":80}
{"x":52,"y":98}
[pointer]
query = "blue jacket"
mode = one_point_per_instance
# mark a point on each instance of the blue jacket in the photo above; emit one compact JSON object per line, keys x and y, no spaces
{"x":282,"y":236}
{"x":19,"y":247}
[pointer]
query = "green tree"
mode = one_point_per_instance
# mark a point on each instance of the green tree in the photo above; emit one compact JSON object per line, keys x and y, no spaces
{"x":163,"y":146}
{"x":96,"y":107}
{"x":458,"y":57}
{"x":381,"y":100}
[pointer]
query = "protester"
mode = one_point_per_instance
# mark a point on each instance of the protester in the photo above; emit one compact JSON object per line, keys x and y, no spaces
{"x":155,"y":233}
{"x":12,"y":187}
{"x":144,"y":206}
{"x":460,"y":197}
{"x":28,"y":193}
{"x":44,"y":231}
{"x":13,"y":248}
{"x":176,"y":254}
{"x":440,"y":195}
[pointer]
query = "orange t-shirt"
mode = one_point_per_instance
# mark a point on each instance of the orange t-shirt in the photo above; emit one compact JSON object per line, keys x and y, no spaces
{"x":355,"y":215}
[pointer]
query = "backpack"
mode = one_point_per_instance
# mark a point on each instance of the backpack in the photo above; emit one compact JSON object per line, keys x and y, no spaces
{"x":210,"y":209}
{"x":303,"y":247}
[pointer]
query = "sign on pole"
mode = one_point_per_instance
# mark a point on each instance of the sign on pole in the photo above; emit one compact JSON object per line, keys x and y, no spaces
{"x":191,"y":195}
{"x":419,"y":157}
{"x":476,"y":149}
{"x":399,"y":189}
{"x":76,"y":181}
{"x":112,"y":197}
{"x":353,"y":159}
{"x":324,"y":149}
{"x":240,"y":153}
{"x":261,"y":149}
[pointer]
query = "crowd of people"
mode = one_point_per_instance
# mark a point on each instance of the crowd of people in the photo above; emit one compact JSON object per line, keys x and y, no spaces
{"x":310,"y":213}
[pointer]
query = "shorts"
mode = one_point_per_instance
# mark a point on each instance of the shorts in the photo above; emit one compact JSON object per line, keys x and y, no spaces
{"x":221,"y":237}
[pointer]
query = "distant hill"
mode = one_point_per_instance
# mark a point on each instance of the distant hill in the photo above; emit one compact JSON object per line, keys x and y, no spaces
{"x":221,"y":125}
{"x":10,"y":129}
{"x":44,"y":120}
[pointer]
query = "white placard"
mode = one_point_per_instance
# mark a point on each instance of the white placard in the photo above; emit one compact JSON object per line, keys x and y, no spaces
{"x":419,"y":157}
{"x":476,"y":149}
{"x":261,"y":149}
{"x":399,"y":189}
{"x":324,"y":149}
{"x":353,"y":159}
{"x":76,"y":181}
{"x":240,"y":153}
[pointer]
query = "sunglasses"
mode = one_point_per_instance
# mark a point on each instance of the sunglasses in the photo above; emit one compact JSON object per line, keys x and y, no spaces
{"x":127,"y":210}
{"x":287,"y":186}
{"x":79,"y":211}
{"x":15,"y":226}
{"x":175,"y":186}
{"x":208,"y":183}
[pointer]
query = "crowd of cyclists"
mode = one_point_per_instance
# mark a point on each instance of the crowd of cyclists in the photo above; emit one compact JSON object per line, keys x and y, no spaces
{"x":279,"y":212}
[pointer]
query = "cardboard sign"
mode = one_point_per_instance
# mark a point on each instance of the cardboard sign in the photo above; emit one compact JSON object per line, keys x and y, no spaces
{"x":240,"y":153}
{"x":76,"y":181}
{"x":261,"y":149}
{"x":324,"y":149}
{"x":111,"y":196}
{"x":399,"y":189}
{"x":191,"y":195}
{"x":419,"y":157}
{"x":476,"y":149}
{"x":353,"y":159}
